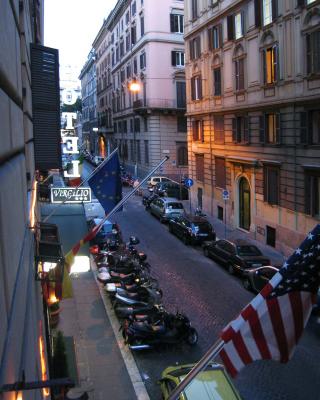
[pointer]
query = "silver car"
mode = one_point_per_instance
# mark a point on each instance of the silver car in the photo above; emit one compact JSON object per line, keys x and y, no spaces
{"x":166,"y":207}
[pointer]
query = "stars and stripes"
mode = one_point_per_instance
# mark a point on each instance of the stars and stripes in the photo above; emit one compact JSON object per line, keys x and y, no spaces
{"x":271,"y":325}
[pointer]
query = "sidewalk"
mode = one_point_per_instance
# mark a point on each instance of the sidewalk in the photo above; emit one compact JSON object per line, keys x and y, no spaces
{"x":101,"y":365}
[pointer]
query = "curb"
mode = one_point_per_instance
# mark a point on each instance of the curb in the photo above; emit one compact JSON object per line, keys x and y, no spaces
{"x":134,"y":374}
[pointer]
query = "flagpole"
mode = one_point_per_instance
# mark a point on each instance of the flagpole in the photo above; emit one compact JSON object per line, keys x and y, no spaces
{"x":210,"y":355}
{"x":82,"y":182}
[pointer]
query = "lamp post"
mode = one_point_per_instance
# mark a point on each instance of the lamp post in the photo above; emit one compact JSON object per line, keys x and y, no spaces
{"x":134,"y":87}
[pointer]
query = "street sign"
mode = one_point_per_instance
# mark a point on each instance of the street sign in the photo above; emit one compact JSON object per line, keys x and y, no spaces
{"x":188,"y":182}
{"x":70,"y":195}
{"x":225,"y":194}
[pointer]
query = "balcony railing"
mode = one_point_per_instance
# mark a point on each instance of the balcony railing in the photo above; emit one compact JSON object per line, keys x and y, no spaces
{"x":159,"y":103}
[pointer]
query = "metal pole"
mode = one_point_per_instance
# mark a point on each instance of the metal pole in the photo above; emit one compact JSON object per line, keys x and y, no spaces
{"x":189,"y":199}
{"x":225,"y":219}
{"x":201,"y":365}
{"x":135,"y":146}
{"x":81,"y":183}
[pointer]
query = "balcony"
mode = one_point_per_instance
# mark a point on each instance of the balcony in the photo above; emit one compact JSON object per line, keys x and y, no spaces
{"x":159,"y":104}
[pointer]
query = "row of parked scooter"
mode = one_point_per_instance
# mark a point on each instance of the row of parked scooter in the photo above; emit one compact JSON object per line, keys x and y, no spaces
{"x":137,"y":298}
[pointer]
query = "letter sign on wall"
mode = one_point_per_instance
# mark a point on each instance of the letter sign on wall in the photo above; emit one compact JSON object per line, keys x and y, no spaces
{"x":71,"y":147}
{"x":70,"y":195}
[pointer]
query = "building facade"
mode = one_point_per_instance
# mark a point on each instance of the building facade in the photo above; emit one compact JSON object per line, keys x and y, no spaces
{"x":253,"y":106}
{"x":23,"y":344}
{"x":145,"y":45}
{"x":89,"y":104}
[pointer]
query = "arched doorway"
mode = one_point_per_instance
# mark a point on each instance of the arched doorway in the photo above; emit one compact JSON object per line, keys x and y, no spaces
{"x":244,"y":204}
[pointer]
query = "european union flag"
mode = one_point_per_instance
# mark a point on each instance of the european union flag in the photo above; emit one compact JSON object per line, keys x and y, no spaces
{"x":106,"y":183}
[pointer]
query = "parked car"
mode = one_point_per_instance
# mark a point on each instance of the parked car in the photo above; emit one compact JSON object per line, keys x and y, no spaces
{"x":211,"y":384}
{"x":255,"y":279}
{"x":97,"y":160}
{"x":171,"y":189}
{"x":237,"y":256}
{"x":192,"y":229}
{"x":165,"y":208}
{"x":146,"y":200}
{"x":156,"y":179}
{"x":108,"y":232}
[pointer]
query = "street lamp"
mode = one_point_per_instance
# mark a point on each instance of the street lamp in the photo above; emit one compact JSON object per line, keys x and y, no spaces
{"x":134,"y":87}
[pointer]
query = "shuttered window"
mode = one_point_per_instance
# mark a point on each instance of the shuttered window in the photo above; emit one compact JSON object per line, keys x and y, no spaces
{"x":240,"y":130}
{"x":270,"y":65}
{"x":176,"y":23}
{"x":269,"y":128}
{"x":271,"y":184}
{"x":220,"y":172}
{"x":196,"y":88}
{"x":199,"y":167}
{"x":182,"y":154}
{"x":313,"y":52}
{"x":46,"y":107}
{"x":177,"y":58}
{"x":215,"y":37}
{"x":197,"y":131}
{"x":217,"y":81}
{"x":219,"y":129}
{"x":312,"y":193}
{"x":239,"y":73}
{"x":195,"y":48}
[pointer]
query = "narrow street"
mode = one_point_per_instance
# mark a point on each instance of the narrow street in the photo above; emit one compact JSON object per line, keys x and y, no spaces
{"x":211,"y":298}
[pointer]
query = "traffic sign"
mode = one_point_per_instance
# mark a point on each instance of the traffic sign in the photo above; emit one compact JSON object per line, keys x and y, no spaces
{"x":225,"y":194}
{"x":188,"y":182}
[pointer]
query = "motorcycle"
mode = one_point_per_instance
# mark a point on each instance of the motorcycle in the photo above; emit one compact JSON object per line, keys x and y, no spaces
{"x":171,"y":329}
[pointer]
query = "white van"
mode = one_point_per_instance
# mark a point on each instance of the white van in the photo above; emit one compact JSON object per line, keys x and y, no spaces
{"x":156,"y":179}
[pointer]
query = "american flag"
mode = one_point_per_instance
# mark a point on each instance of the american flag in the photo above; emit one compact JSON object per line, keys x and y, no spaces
{"x":270,"y":326}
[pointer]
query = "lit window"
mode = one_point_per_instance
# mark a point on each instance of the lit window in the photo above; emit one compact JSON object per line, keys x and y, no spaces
{"x":267,"y":12}
{"x":270,"y":64}
{"x":238,"y":23}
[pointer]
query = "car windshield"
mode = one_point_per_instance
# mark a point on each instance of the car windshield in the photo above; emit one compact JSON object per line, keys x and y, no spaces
{"x":203,"y":226}
{"x":248,"y":250}
{"x":176,"y":206}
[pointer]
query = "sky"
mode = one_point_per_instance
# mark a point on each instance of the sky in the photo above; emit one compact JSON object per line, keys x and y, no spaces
{"x":72,"y":25}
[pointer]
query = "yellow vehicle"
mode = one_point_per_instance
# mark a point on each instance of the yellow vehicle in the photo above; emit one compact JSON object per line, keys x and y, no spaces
{"x":211,"y":384}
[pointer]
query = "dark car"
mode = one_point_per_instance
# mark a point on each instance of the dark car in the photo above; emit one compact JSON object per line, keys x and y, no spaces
{"x":171,"y":189}
{"x":237,"y":256}
{"x":108,"y":232}
{"x":192,"y":229}
{"x":255,"y":279}
{"x":146,"y":200}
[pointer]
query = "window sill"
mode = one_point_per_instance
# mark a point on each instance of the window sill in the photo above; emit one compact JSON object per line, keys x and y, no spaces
{"x":269,"y":85}
{"x":313,"y":76}
{"x":240,"y":91}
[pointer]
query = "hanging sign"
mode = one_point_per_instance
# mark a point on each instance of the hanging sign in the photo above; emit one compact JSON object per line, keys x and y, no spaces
{"x":71,"y":147}
{"x":70,"y":195}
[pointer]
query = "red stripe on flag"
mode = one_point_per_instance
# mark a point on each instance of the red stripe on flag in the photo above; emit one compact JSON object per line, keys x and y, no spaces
{"x":228,"y":364}
{"x":266,"y":290}
{"x":297,"y":313}
{"x":250,"y":315}
{"x":227,"y":334}
{"x":241,"y":347}
{"x":278,"y":328}
{"x":76,"y":248}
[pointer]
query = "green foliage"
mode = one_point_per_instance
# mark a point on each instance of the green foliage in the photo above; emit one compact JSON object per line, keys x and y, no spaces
{"x":54,"y":306}
{"x":60,"y":363}
{"x":77,"y":106}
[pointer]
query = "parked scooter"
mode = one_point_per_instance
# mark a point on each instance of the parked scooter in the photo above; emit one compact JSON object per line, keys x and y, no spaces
{"x":172,"y":329}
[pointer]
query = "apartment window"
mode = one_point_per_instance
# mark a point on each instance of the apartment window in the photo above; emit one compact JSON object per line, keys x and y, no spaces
{"x":128,"y":71}
{"x":138,"y":151}
{"x":196,"y":88}
{"x":220,"y":172}
{"x":176,"y":23}
{"x":197,"y":131}
{"x":145,"y":124}
{"x":270,"y":65}
{"x":235,"y":26}
{"x":121,"y":49}
{"x":215,"y":37}
{"x":182,"y":124}
{"x":267,"y":11}
{"x":271,"y":184}
{"x":181,"y":94}
{"x":217,"y":81}
{"x":195,"y":48}
{"x":133,"y":35}
{"x":239,"y":73}
{"x":142,"y":60}
{"x":218,"y":123}
{"x":131,"y":150}
{"x":128,"y":42}
{"x":133,"y":8}
{"x":127,"y":17}
{"x":177,"y":58}
{"x":194,"y":9}
{"x":312,"y":192}
{"x":142,"y":25}
{"x":240,"y":130}
{"x":135,"y":65}
{"x":270,"y":128}
{"x":199,"y":167}
{"x":310,"y":127}
{"x":182,"y":154}
{"x":137,"y":124}
{"x":117,"y":53}
{"x":146,"y":152}
{"x":122,"y":75}
{"x":313,"y":52}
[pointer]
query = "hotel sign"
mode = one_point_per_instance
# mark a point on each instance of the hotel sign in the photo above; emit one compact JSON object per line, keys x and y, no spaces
{"x":70,"y":195}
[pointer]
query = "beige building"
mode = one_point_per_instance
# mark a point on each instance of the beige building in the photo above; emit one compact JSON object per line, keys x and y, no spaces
{"x":253,"y":106}
{"x":143,"y":43}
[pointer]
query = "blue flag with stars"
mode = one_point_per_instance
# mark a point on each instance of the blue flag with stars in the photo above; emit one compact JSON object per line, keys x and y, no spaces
{"x":106,"y":183}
